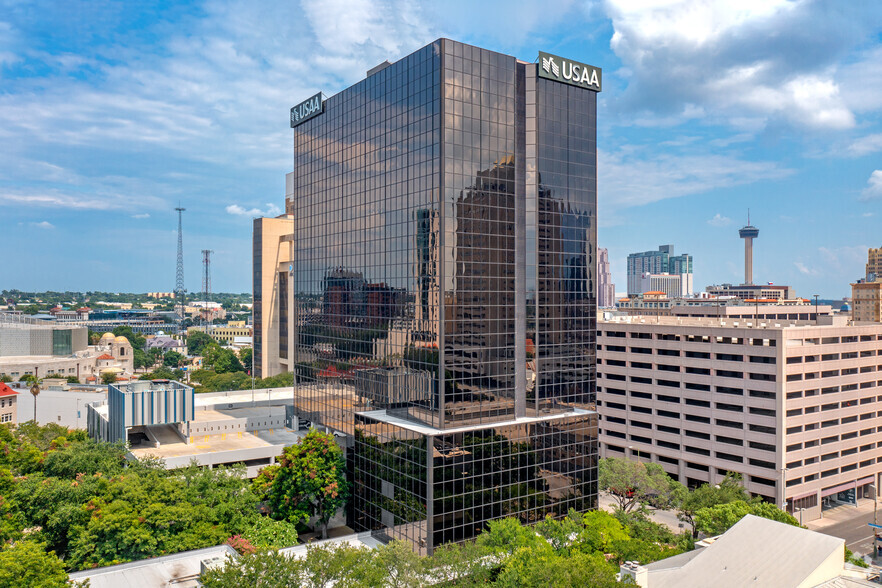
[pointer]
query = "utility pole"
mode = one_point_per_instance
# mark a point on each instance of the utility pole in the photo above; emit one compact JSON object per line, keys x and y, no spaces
{"x":180,"y":291}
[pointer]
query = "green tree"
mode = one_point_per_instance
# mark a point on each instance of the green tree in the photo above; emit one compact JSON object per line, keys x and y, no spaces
{"x":548,"y":569}
{"x":267,"y":533}
{"x":402,"y":567}
{"x":505,"y":536}
{"x":108,"y":378}
{"x":460,"y":564}
{"x":197,"y":341}
{"x":27,"y":563}
{"x":634,"y":483}
{"x":140,"y":359}
{"x":245,"y":356}
{"x":729,"y":490}
{"x":137,"y":340}
{"x":227,"y":362}
{"x":267,"y":569}
{"x":311,"y":481}
{"x":154,"y":356}
{"x":717,"y":519}
{"x":5,"y":379}
{"x":173,"y":359}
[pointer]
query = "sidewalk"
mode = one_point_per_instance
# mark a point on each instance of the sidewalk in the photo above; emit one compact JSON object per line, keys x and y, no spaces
{"x":840,"y":514}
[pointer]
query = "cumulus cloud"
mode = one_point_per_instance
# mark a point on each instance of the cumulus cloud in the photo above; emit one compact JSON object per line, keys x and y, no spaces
{"x":43,"y":225}
{"x":271,"y":210}
{"x":874,"y":186}
{"x":210,"y":93}
{"x":719,"y":221}
{"x":774,"y":59}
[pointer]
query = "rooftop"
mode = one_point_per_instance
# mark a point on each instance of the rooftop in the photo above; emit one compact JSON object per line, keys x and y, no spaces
{"x":181,"y":570}
{"x":786,"y":556}
{"x":732,"y":322}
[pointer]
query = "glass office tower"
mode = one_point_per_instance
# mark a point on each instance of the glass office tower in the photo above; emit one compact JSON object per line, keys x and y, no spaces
{"x":443,"y":290}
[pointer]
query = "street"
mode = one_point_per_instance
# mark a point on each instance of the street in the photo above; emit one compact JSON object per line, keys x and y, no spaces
{"x":849,"y":523}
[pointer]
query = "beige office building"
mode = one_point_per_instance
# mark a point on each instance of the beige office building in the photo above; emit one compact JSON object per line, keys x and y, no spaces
{"x":791,"y":405}
{"x":273,"y":327}
{"x":866,"y":302}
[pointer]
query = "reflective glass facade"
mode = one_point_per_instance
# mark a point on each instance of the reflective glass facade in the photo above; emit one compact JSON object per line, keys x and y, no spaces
{"x":444,"y":297}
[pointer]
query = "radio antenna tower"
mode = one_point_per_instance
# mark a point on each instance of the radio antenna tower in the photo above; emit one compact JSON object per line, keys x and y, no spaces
{"x":180,"y":291}
{"x":206,"y":282}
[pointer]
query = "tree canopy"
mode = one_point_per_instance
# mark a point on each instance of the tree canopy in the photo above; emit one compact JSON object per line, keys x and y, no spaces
{"x":578,"y":550}
{"x":310,"y":481}
{"x":82,"y":500}
{"x":634,"y":483}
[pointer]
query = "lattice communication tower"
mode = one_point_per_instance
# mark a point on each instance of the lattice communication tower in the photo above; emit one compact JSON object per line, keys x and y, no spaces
{"x":180,"y":291}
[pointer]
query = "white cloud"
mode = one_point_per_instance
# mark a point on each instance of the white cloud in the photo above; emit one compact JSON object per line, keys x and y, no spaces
{"x":865,"y":145}
{"x":803,"y":269}
{"x":633,"y":176}
{"x":142,"y":215}
{"x":754,"y":59}
{"x":271,"y":210}
{"x":719,"y":221}
{"x":844,"y":256}
{"x":43,"y":225}
{"x":874,"y":186}
{"x":867,"y":214}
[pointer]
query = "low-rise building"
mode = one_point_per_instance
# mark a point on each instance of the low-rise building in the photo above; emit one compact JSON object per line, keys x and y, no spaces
{"x":752,"y":291}
{"x":31,"y":347}
{"x":181,"y":570}
{"x":224,"y":334}
{"x":167,"y":420}
{"x":8,"y":405}
{"x":756,"y":552}
{"x":792,"y":406}
{"x":165,"y":343}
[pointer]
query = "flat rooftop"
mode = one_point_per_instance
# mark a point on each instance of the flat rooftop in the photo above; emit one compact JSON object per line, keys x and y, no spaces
{"x":181,"y":570}
{"x":384,"y":417}
{"x":172,"y":446}
{"x":726,"y":322}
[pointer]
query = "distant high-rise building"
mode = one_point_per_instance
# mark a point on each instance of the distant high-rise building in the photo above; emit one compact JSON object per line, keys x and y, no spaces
{"x":659,"y":262}
{"x":606,"y":290}
{"x":866,"y":302}
{"x":874,"y":264}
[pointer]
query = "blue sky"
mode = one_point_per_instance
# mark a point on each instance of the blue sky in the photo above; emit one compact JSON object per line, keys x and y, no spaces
{"x":113,"y":112}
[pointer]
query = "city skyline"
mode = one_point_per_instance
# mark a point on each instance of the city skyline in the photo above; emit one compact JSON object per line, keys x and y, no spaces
{"x":116,"y":113}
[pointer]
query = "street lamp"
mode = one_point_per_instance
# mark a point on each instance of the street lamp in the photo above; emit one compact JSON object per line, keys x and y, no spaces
{"x":35,"y":391}
{"x":875,"y":530}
